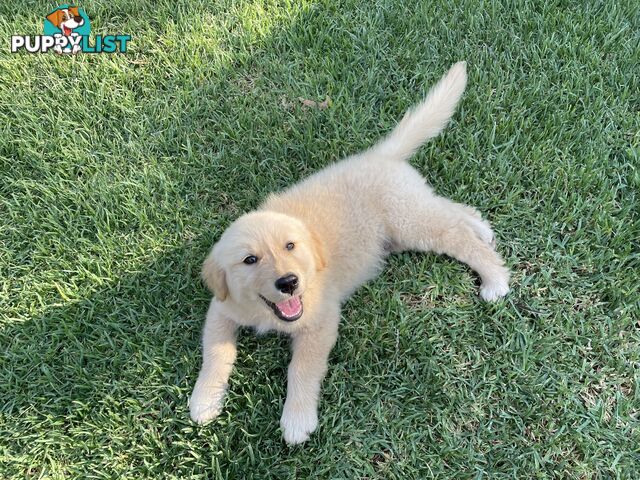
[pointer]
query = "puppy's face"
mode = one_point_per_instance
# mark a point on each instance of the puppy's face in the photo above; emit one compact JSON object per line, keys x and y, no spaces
{"x":265,"y":260}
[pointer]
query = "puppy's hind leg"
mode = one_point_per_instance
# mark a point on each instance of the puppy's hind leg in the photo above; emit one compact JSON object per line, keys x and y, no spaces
{"x":432,"y":223}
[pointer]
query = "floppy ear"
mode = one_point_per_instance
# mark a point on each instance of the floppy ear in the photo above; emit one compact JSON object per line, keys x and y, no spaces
{"x":55,"y":17}
{"x":214,"y":276}
{"x":318,"y":251}
{"x":74,"y":11}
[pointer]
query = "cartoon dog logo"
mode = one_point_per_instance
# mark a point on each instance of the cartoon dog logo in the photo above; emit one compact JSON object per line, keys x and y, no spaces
{"x":67,"y":19}
{"x":67,"y":29}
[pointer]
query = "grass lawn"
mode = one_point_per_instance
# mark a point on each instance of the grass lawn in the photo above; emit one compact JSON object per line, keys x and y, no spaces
{"x":118,"y":172}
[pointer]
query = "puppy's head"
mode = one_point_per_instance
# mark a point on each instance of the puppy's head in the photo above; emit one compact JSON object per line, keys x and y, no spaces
{"x":267,"y":260}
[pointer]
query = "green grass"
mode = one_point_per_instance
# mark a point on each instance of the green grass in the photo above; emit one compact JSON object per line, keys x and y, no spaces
{"x":118,"y":172}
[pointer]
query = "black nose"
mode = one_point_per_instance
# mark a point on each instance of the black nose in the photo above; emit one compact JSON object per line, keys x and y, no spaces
{"x":79,"y":20}
{"x":287,"y":284}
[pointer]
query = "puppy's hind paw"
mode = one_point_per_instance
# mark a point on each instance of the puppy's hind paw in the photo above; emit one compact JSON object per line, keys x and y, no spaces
{"x":493,"y":291}
{"x":483,"y":230}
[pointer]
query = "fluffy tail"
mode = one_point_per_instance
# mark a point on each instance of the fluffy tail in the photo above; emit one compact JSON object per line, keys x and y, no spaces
{"x":427,"y":119}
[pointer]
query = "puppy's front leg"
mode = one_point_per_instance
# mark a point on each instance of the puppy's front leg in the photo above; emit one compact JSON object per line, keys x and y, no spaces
{"x":218,"y":356}
{"x":308,"y":367}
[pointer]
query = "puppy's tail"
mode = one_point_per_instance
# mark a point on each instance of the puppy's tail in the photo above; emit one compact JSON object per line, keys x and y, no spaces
{"x":427,"y":119}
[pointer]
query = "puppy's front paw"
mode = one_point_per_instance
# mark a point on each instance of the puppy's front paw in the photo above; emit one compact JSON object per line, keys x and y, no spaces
{"x":297,"y":425}
{"x":205,"y":403}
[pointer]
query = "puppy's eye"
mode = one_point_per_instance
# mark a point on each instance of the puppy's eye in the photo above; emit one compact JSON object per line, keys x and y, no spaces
{"x":250,"y":259}
{"x":290,"y":246}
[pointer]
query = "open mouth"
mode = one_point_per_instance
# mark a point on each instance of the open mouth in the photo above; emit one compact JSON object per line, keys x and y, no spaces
{"x":66,"y":31}
{"x":288,"y":310}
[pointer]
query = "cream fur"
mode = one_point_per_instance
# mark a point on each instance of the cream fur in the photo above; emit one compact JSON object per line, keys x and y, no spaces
{"x":344,"y":221}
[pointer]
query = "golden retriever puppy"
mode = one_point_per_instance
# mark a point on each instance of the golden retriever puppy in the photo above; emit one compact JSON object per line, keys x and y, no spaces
{"x":290,"y":264}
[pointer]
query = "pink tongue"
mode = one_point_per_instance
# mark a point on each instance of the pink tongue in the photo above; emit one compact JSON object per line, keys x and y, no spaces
{"x":290,"y":307}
